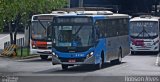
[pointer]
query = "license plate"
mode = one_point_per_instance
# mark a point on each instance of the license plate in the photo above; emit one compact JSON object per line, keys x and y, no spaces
{"x":72,"y":60}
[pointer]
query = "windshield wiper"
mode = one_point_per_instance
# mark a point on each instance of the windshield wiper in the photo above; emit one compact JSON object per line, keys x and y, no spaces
{"x":42,"y":25}
{"x":45,"y":28}
{"x":143,"y":31}
{"x":74,"y":35}
{"x":49,"y":31}
{"x":78,"y":30}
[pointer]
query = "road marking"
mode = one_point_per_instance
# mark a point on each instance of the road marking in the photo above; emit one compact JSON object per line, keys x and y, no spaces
{"x":4,"y":37}
{"x":157,"y":60}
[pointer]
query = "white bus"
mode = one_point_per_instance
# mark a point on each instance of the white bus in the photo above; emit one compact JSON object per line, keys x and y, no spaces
{"x":144,"y":34}
{"x":40,"y":41}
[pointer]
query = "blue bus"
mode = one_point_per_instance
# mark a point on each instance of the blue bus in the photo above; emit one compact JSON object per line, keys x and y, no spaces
{"x":91,"y":38}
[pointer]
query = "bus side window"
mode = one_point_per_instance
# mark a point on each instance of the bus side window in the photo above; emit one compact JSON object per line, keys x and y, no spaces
{"x":125,"y":26}
{"x":101,"y":28}
{"x":122,"y":27}
{"x":111,"y":27}
{"x":97,"y":29}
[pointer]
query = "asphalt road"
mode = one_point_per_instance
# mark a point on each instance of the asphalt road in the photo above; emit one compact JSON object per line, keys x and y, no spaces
{"x":133,"y":65}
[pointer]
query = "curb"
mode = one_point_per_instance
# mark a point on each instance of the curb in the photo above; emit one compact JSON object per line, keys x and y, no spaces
{"x":28,"y":57}
{"x":158,"y":60}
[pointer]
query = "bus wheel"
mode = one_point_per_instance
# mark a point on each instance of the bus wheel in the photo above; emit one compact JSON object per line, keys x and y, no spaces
{"x":101,"y":63}
{"x":44,"y":57}
{"x":119,"y":57}
{"x":64,"y":67}
{"x":133,"y":52}
{"x":119,"y":60}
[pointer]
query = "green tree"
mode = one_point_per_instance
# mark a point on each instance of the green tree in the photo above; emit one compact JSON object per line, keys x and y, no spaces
{"x":16,"y":11}
{"x":20,"y":11}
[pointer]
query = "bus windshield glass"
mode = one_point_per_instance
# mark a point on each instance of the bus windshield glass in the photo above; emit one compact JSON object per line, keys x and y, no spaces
{"x":144,"y":29}
{"x":73,"y":31}
{"x":73,"y":36}
{"x":39,"y":30}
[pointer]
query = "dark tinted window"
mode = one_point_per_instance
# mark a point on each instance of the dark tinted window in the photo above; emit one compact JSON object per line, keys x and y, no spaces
{"x":112,"y":27}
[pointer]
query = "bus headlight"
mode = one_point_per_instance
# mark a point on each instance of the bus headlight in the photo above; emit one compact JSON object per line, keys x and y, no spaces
{"x":54,"y":54}
{"x":156,"y":48}
{"x":90,"y":55}
{"x":33,"y":46}
{"x":156,"y":42}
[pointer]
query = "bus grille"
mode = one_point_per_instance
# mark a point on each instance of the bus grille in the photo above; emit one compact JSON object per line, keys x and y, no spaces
{"x":143,"y":49}
{"x":76,"y":59}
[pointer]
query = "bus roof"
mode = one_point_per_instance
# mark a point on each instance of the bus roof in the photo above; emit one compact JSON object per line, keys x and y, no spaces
{"x":53,"y":14}
{"x":111,"y":16}
{"x":116,"y":15}
{"x":145,"y":18}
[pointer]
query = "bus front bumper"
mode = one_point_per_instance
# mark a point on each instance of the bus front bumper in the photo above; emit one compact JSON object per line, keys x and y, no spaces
{"x":90,"y":60}
{"x":144,"y":48}
{"x":41,"y":51}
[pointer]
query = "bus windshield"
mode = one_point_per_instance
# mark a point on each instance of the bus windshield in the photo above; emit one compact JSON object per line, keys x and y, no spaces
{"x":73,"y":35}
{"x":144,"y":29}
{"x":39,"y":30}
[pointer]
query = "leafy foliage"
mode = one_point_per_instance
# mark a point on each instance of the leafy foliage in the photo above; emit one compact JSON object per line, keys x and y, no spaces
{"x":24,"y":9}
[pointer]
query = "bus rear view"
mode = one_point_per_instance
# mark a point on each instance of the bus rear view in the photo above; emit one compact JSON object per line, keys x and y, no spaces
{"x":144,"y":34}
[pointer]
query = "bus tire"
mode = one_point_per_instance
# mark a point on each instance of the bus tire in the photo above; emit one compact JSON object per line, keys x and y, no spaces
{"x":101,"y":64}
{"x":64,"y":67}
{"x":119,"y":60}
{"x":133,"y":52}
{"x":44,"y":57}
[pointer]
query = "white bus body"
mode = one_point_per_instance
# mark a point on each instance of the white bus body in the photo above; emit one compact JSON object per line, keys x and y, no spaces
{"x":144,"y":34}
{"x":40,"y":43}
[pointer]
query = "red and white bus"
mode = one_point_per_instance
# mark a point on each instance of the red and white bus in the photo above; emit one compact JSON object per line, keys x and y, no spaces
{"x":40,"y":40}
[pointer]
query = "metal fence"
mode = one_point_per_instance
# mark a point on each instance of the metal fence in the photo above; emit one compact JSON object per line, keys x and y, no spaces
{"x":22,"y":48}
{"x":19,"y":42}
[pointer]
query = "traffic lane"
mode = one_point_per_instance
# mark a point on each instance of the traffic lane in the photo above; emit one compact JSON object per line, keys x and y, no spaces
{"x":56,"y":69}
{"x":139,"y":65}
{"x":38,"y":66}
{"x":79,"y":69}
{"x":71,"y":79}
{"x":132,"y":65}
{"x":23,"y":66}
